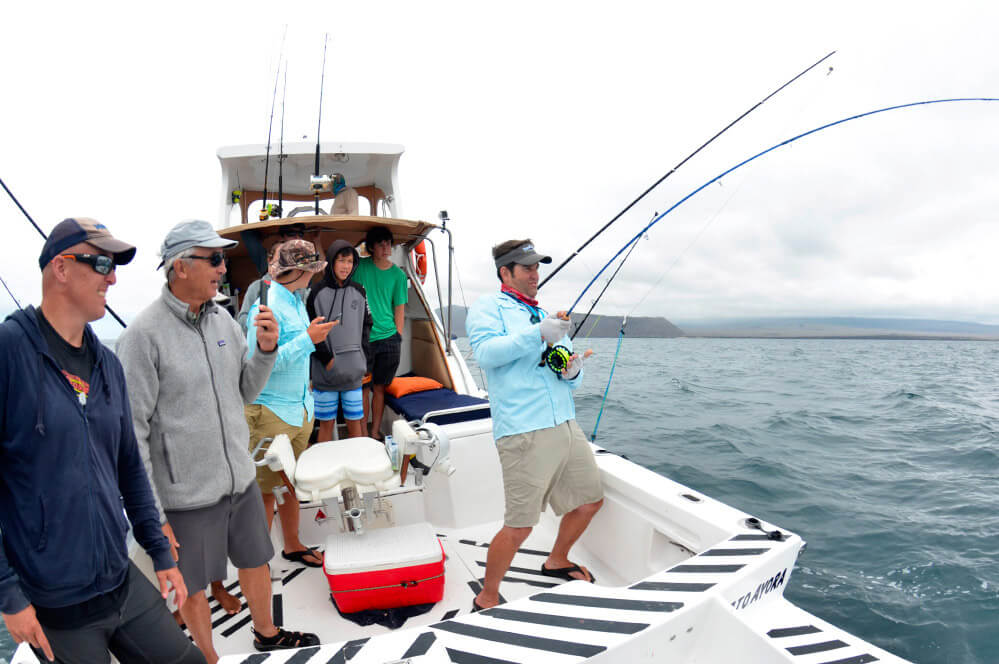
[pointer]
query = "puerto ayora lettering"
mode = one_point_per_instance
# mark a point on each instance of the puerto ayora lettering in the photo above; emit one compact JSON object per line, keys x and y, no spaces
{"x":765,"y":588}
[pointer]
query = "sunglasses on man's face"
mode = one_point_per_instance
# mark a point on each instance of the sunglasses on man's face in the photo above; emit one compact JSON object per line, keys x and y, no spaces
{"x":214,"y":260}
{"x":101,"y":264}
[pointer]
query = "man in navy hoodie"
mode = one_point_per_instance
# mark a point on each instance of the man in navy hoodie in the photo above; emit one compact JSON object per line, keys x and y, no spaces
{"x":70,"y":470}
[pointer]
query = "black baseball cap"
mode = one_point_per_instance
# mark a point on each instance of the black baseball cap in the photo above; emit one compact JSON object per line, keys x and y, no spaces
{"x":522,"y":254}
{"x":83,"y":229}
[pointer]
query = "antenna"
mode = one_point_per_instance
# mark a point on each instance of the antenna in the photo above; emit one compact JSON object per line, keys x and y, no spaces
{"x":319,"y":125}
{"x":264,"y":212}
{"x":284,"y":95}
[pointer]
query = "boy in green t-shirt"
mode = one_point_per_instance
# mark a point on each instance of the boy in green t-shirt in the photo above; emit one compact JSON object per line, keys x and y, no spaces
{"x":388,"y":291}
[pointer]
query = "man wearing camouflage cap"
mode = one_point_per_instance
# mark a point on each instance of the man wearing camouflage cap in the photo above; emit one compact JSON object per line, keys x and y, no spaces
{"x":286,"y":404}
{"x":189,"y":375}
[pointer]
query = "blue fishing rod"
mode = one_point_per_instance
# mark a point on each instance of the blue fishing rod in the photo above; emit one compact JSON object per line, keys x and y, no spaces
{"x":739,"y":165}
{"x":675,"y":168}
{"x":633,"y":241}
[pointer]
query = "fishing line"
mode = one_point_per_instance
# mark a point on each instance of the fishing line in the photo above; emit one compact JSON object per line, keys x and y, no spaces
{"x":46,"y":237}
{"x":701,"y":232}
{"x":7,"y":288}
{"x":674,"y":169}
{"x":760,"y":154}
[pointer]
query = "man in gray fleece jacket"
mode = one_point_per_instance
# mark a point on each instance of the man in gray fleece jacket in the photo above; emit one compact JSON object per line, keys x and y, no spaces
{"x":188,"y":379}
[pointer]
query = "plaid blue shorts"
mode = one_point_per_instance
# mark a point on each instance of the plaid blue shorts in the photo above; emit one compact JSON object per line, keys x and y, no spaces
{"x":327,"y":404}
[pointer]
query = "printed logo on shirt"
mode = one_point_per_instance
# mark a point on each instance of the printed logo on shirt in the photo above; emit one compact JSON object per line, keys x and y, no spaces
{"x":221,"y":343}
{"x":81,"y":386}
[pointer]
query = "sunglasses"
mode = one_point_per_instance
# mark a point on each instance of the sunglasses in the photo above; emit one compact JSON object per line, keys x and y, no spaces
{"x":214,"y":260}
{"x":100,"y":263}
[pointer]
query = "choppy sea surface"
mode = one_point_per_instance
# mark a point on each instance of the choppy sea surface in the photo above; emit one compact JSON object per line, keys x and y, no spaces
{"x":882,"y":455}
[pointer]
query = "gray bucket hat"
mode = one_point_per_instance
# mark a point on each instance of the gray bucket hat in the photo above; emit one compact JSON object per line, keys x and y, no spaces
{"x":192,"y":233}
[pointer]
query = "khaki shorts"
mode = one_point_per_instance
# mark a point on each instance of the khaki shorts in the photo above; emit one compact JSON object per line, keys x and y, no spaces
{"x":553,"y":466}
{"x":265,"y":424}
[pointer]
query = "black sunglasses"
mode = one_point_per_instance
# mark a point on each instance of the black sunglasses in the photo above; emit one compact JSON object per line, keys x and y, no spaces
{"x":100,"y":263}
{"x":214,"y":260}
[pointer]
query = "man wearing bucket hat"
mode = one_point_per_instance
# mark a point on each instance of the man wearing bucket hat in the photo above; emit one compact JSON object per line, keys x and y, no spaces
{"x":69,"y":462}
{"x":545,"y":457}
{"x":286,"y":404}
{"x":189,"y":375}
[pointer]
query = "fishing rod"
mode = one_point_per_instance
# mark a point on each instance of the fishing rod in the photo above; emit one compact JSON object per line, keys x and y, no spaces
{"x":264,"y":212}
{"x":7,"y":288}
{"x":322,"y":82}
{"x":46,"y":237}
{"x":674,"y":169}
{"x":606,"y":286}
{"x":284,"y":95}
{"x":760,"y":154}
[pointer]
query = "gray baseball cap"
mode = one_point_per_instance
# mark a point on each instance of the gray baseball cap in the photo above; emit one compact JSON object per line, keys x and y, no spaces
{"x":192,"y":233}
{"x":522,"y":254}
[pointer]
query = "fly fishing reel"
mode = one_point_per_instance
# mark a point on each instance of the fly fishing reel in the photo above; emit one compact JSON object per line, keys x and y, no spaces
{"x":556,"y":358}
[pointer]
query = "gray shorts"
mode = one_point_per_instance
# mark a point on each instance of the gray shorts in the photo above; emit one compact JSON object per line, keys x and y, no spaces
{"x":233,"y":528}
{"x":548,"y":466}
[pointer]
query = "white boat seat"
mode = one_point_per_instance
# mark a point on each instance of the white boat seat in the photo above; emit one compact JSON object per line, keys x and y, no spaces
{"x":325,"y":469}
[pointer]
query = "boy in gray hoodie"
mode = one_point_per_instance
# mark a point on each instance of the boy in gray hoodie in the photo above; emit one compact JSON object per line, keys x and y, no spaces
{"x":340,"y":361}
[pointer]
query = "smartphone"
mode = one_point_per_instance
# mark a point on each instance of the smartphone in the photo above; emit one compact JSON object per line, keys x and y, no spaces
{"x":264,"y":285}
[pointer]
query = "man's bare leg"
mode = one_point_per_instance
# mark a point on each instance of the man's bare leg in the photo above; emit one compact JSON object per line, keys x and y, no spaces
{"x":326,"y":430}
{"x":377,"y":408}
{"x":230,"y":603}
{"x":256,"y":583}
{"x":290,"y":518}
{"x":573,"y":525}
{"x":198,"y":618}
{"x":501,"y":552}
{"x":356,"y":428}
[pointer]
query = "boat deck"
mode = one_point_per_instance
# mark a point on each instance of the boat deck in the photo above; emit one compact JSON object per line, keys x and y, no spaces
{"x":301,"y":597}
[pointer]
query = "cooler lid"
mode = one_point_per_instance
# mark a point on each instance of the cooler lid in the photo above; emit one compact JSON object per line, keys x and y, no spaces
{"x":381,"y":549}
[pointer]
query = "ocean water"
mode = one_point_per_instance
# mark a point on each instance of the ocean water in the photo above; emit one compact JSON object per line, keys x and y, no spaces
{"x":882,"y":455}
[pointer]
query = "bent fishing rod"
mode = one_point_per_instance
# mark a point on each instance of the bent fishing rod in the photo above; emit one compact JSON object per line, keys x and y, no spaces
{"x":757,"y":156}
{"x":46,"y":237}
{"x":674,"y":169}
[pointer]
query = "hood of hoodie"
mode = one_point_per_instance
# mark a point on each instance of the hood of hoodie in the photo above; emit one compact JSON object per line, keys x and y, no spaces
{"x":329,"y":278}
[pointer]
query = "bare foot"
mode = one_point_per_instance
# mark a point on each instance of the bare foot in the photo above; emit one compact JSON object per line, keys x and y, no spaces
{"x":230,"y":604}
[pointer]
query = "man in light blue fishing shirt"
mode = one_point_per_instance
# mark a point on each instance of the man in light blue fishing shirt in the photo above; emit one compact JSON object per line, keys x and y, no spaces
{"x":545,"y":456}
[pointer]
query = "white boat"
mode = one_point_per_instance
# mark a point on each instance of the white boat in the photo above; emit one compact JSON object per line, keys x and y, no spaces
{"x":680,"y":576}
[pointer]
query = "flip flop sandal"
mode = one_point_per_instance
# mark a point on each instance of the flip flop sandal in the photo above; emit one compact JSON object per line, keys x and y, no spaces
{"x":566,"y":573}
{"x":283,"y":640}
{"x":299,"y":557}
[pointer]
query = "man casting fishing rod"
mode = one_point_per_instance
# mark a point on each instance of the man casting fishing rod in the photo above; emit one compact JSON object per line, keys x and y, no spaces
{"x":544,"y":455}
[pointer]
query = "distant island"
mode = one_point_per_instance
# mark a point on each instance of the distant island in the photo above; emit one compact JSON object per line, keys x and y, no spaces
{"x":842,"y":327}
{"x":830,"y":327}
{"x":596,"y":325}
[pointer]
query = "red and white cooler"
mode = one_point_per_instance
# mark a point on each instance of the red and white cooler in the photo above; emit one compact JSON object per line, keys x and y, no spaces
{"x":385,"y":568}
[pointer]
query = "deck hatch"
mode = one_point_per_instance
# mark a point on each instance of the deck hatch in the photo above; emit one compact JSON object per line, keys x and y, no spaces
{"x":607,"y":602}
{"x":523,"y":640}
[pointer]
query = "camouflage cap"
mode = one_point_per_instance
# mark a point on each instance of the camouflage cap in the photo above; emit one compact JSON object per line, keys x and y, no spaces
{"x":296,"y":254}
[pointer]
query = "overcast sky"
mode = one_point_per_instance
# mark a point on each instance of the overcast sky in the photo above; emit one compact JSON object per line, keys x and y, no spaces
{"x":544,"y":120}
